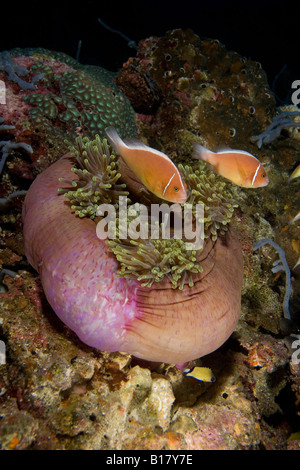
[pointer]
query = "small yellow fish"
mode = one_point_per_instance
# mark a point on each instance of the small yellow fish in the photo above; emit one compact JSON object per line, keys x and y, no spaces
{"x":295,"y":174}
{"x":204,"y":374}
{"x":153,"y":168}
{"x":241,"y":168}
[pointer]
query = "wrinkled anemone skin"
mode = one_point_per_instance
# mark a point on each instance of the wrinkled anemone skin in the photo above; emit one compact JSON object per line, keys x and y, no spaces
{"x":78,"y":275}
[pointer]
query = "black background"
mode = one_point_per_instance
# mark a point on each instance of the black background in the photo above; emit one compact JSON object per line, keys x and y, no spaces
{"x":267,"y":30}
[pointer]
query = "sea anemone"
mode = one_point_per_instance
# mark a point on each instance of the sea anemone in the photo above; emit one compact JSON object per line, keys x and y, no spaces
{"x":97,"y":179}
{"x":151,"y":260}
{"x":218,"y":201}
{"x":79,"y":273}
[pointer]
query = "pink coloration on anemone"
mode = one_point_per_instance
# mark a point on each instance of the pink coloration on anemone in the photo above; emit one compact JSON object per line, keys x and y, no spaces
{"x":78,"y":274}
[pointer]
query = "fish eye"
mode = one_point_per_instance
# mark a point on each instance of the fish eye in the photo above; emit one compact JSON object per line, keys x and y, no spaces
{"x":263,"y":175}
{"x":176,"y":189}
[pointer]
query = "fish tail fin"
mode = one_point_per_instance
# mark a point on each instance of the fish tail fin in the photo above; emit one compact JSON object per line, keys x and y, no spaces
{"x":200,"y":152}
{"x":114,"y":139}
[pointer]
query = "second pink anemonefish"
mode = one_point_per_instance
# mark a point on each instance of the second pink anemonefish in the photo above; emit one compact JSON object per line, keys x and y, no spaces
{"x":238,"y":166}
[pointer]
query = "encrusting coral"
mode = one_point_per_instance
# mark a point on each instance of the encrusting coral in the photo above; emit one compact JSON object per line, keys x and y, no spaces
{"x":187,"y":89}
{"x":64,"y":99}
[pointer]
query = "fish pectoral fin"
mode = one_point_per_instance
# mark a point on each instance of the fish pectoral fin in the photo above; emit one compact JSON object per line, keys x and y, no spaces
{"x":213,"y":168}
{"x":147,"y":181}
{"x":242,"y":171}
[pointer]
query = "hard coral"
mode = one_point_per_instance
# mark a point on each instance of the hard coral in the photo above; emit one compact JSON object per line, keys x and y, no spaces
{"x":208,"y":93}
{"x":68,"y":98}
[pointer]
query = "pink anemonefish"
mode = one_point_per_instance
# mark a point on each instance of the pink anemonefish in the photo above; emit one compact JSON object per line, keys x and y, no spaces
{"x":241,"y":168}
{"x":153,"y":168}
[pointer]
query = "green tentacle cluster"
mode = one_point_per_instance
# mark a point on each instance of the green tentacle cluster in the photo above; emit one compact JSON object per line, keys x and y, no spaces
{"x":150,"y":260}
{"x":98,"y":177}
{"x":218,"y":202}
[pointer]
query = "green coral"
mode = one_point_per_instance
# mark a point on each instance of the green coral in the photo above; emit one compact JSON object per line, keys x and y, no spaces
{"x":41,"y":51}
{"x":71,"y":98}
{"x":98,"y":107}
{"x":44,"y":108}
{"x":84,"y":101}
{"x":98,"y":176}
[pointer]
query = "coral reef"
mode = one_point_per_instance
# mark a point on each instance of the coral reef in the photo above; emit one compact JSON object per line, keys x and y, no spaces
{"x":7,"y":147}
{"x":68,"y":98}
{"x":198,"y":91}
{"x":56,"y":392}
{"x":15,"y":71}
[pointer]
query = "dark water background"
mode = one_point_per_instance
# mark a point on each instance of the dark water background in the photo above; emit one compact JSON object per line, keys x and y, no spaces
{"x":263,"y":30}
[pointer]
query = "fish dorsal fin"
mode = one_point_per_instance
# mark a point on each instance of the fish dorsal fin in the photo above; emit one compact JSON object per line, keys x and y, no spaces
{"x":135,"y":143}
{"x":230,"y":150}
{"x":223,"y":148}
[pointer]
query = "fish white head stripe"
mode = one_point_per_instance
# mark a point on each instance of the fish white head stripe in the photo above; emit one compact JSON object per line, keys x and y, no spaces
{"x":255,"y":174}
{"x":167,"y":185}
